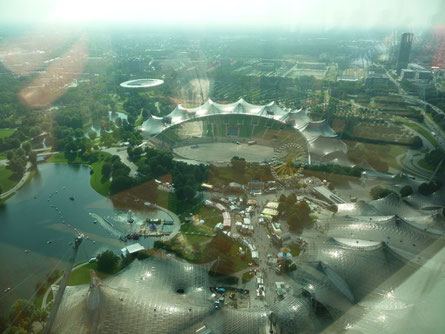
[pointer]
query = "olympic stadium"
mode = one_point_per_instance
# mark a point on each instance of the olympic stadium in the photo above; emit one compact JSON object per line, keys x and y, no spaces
{"x":287,"y":137}
{"x":214,"y":121}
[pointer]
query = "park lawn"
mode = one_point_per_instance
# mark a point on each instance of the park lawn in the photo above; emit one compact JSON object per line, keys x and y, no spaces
{"x":422,"y":163}
{"x":7,"y":179}
{"x":247,"y":276}
{"x":57,"y":158}
{"x":6,"y":132}
{"x":82,"y":275}
{"x":229,"y":174}
{"x":96,"y":179}
{"x":196,"y":239}
{"x":294,"y":250}
{"x":387,"y":153}
{"x":425,"y":133}
{"x":199,"y":249}
{"x":230,"y":260}
{"x":139,"y":120}
{"x":211,"y":216}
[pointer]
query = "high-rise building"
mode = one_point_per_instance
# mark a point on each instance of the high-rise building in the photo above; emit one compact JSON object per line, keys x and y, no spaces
{"x":405,"y":48}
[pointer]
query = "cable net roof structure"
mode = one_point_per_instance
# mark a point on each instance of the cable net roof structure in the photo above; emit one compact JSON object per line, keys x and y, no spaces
{"x":349,"y":278}
{"x":320,"y":139}
{"x":351,"y":266}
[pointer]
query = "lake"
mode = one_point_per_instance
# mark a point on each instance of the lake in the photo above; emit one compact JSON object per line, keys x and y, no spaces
{"x":41,"y":212}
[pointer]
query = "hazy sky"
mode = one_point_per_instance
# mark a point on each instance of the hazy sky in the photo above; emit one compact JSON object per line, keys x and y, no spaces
{"x":291,"y":14}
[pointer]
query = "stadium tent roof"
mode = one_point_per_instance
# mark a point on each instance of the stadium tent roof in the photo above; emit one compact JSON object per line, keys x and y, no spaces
{"x":165,"y":295}
{"x":356,"y":262}
{"x":394,"y":205}
{"x":320,"y":138}
{"x":153,"y":126}
{"x":337,"y":158}
{"x":298,"y":117}
{"x":295,"y":315}
{"x":323,"y":146}
{"x":313,"y":130}
{"x":419,"y":201}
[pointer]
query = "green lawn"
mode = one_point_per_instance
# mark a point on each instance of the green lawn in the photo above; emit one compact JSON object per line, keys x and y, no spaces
{"x":294,"y":250}
{"x":425,"y":133}
{"x":211,"y":217}
{"x":229,"y":174}
{"x":422,"y":163}
{"x":6,"y":132}
{"x":386,"y":153}
{"x":7,"y":180}
{"x":57,"y":158}
{"x":247,"y":276}
{"x":102,"y":188}
{"x":139,"y":120}
{"x":82,"y":275}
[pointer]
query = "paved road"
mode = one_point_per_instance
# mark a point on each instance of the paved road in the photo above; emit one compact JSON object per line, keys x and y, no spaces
{"x":122,"y":153}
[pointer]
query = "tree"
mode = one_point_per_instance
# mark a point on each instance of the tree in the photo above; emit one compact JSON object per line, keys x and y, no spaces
{"x":17,"y":165}
{"x":33,"y":158}
{"x":188,"y":193}
{"x":294,"y":222}
{"x":92,"y":135}
{"x":299,"y":215}
{"x":78,"y":133}
{"x":27,"y":147}
{"x":106,"y":170}
{"x":378,"y":192}
{"x":40,"y":315}
{"x":1,"y":189}
{"x":427,"y":188}
{"x":120,"y":183}
{"x":238,"y":164}
{"x":21,"y":314}
{"x":107,"y":261}
{"x":406,"y":191}
{"x":416,"y":143}
{"x":291,"y":200}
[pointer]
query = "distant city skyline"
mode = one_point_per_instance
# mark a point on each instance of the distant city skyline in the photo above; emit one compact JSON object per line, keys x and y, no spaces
{"x":297,"y":14}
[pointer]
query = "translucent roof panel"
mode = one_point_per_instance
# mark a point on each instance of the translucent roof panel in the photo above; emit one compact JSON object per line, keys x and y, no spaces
{"x":152,"y":126}
{"x":356,"y":265}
